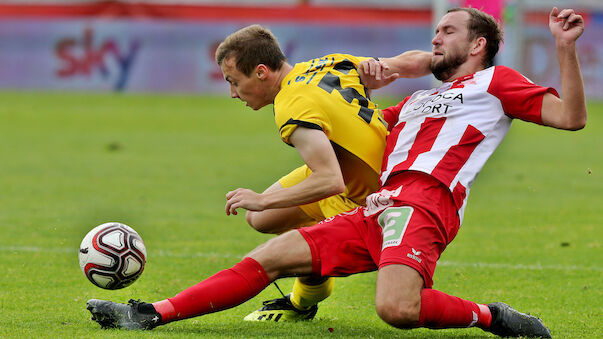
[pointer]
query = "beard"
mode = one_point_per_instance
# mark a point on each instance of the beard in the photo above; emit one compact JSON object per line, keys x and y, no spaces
{"x":445,"y":68}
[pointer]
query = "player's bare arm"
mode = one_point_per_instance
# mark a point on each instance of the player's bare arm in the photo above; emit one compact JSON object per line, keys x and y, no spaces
{"x":326,"y":179}
{"x":570,"y":112}
{"x":379,"y":73}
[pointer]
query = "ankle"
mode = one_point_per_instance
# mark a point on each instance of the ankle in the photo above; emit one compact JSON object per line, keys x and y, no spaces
{"x":485,"y":317}
{"x":166,"y":310}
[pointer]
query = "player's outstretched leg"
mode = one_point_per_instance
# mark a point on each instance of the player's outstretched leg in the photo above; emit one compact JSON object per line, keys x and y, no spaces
{"x":225,"y":289}
{"x":508,"y":322}
{"x":135,"y":315}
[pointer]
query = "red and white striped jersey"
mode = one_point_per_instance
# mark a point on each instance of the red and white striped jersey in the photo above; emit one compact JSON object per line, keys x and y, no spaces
{"x":450,"y":132}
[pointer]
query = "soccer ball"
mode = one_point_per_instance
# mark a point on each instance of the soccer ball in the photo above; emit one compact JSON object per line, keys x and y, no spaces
{"x":112,"y":255}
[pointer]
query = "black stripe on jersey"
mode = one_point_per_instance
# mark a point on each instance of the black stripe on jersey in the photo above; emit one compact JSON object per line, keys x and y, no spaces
{"x":344,"y":67}
{"x":330,"y":82}
{"x":301,"y":123}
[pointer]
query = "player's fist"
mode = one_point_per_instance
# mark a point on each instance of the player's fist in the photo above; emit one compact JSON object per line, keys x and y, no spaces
{"x":375,"y":73}
{"x":565,"y":25}
{"x":243,"y":198}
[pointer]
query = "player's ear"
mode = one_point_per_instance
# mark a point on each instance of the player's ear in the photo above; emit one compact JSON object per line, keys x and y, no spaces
{"x":478,"y":45}
{"x":261,"y":71}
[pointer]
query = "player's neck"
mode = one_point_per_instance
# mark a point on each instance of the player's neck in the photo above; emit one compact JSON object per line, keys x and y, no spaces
{"x":282,"y":73}
{"x":469,"y":67}
{"x":278,"y":77}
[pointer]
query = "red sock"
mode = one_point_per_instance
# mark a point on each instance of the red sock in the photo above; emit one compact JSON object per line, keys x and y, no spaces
{"x":225,"y":289}
{"x":440,"y":310}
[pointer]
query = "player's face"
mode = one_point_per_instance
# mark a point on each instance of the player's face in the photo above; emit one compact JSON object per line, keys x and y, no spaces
{"x":451,"y":45}
{"x":250,"y":89}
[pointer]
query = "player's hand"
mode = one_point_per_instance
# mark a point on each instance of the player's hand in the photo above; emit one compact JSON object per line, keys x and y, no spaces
{"x":565,"y":25}
{"x":375,"y":73}
{"x":243,"y":198}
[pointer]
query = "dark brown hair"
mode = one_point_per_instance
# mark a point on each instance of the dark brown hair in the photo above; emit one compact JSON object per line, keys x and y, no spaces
{"x":251,"y":46}
{"x":483,"y":25}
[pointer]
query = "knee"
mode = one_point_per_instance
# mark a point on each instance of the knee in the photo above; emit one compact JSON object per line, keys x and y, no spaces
{"x":403,"y":314}
{"x":254,"y":220}
{"x":285,"y":255}
{"x":250,"y":218}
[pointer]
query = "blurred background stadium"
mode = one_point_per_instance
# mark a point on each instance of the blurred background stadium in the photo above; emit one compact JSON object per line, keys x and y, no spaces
{"x":168,"y":45}
{"x":76,"y":152}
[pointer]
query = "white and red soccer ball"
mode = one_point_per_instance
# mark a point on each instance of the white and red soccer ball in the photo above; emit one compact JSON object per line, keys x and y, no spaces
{"x":112,"y":255}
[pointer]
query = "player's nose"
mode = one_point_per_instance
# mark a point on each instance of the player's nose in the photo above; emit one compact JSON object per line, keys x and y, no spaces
{"x":436,"y":40}
{"x":233,"y":92}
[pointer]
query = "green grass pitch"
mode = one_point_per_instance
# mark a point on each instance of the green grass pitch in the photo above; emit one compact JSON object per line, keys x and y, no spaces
{"x":162,"y":164}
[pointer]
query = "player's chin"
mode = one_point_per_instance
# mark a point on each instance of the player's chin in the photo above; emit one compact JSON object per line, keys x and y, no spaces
{"x":437,"y":59}
{"x":256,"y":105}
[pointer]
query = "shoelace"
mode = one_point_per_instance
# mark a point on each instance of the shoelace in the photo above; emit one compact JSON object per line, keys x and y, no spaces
{"x":134,"y":302}
{"x":272,"y":301}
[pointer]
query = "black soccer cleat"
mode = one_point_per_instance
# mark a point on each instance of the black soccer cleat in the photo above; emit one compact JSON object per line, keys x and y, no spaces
{"x":281,"y":309}
{"x":508,"y":322}
{"x":135,"y":315}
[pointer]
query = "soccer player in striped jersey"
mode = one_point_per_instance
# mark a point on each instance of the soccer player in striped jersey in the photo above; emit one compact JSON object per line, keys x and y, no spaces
{"x":439,"y":141}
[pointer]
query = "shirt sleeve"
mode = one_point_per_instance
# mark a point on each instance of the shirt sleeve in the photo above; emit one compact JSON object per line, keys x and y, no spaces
{"x":390,"y":114}
{"x":299,"y":111}
{"x":520,"y":97}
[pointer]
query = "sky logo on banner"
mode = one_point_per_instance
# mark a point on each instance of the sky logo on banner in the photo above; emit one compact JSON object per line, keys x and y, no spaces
{"x":84,"y":57}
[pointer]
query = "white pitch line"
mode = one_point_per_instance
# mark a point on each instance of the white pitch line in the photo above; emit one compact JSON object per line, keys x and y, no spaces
{"x":533,"y":267}
{"x":170,"y":254}
{"x":160,"y":253}
{"x":36,"y":249}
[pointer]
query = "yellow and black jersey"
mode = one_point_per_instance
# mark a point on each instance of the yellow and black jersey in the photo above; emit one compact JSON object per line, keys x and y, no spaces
{"x":326,"y":94}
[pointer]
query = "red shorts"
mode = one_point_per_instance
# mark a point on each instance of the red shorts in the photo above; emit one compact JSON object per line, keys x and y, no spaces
{"x":410,"y":221}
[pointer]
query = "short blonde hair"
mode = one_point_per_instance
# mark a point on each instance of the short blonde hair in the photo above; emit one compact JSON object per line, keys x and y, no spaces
{"x":251,"y":46}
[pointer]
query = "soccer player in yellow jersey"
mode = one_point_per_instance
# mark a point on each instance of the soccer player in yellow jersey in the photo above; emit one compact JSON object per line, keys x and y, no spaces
{"x":321,"y":108}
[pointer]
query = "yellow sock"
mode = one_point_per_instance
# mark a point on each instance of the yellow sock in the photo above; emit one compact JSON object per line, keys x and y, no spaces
{"x":306,"y":294}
